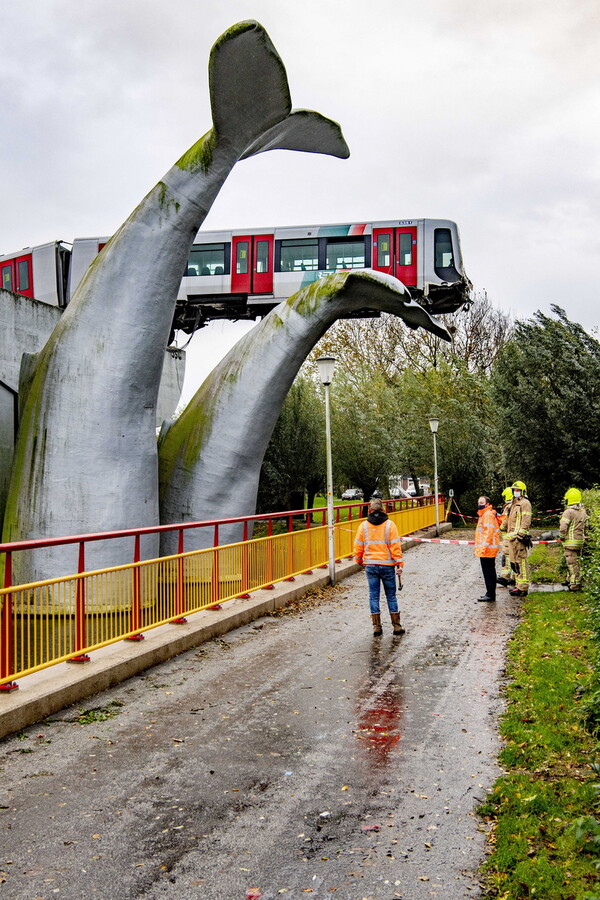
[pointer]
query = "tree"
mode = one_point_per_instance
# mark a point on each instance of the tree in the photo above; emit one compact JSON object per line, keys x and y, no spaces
{"x":466,"y":447}
{"x":364,"y":450}
{"x":546,"y":383}
{"x":386,"y":345}
{"x":295,"y":458}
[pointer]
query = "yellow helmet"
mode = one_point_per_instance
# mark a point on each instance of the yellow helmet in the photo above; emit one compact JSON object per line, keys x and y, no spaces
{"x":572,"y":496}
{"x":507,"y":494}
{"x":520,"y":486}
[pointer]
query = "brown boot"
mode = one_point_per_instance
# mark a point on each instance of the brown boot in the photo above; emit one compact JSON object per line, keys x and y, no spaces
{"x":398,"y":629}
{"x":377,"y":629}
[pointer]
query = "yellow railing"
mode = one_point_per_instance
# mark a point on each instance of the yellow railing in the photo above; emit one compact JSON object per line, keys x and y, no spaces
{"x":66,"y":618}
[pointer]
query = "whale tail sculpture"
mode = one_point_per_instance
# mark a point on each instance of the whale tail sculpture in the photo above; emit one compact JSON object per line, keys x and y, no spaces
{"x":86,"y":459}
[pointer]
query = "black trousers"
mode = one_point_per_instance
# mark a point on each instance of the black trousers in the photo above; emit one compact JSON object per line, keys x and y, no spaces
{"x":488,"y":567}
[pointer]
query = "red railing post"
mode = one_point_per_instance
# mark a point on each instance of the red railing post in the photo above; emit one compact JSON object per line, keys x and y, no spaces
{"x":290,"y":549}
{"x":309,"y":571}
{"x":215,"y":585}
{"x":269,"y":586}
{"x":6,"y":632}
{"x":135,"y":618}
{"x":180,"y":586}
{"x":80,"y":622}
{"x":245,"y":580}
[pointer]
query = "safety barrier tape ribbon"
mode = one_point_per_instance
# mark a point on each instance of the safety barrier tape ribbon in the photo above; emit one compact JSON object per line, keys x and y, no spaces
{"x":448,"y":541}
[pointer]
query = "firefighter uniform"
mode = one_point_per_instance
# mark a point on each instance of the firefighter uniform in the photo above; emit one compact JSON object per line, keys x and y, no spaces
{"x":506,"y":577}
{"x":572,"y":533}
{"x":518,"y":522}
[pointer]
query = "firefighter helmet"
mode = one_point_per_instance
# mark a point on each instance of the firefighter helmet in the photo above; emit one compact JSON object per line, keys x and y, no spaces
{"x":572,"y":496}
{"x":520,"y":486}
{"x":507,"y":494}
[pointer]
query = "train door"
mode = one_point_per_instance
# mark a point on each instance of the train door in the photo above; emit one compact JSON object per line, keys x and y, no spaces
{"x":7,"y":275}
{"x":395,"y":252}
{"x":252,"y":264}
{"x":24,"y":275}
{"x":16,"y":275}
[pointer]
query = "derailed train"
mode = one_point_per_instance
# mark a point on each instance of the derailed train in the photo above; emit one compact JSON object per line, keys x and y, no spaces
{"x":243,"y":274}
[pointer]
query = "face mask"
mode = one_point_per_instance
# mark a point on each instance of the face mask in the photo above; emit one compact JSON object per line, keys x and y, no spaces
{"x":517,"y":495}
{"x":481,"y":506}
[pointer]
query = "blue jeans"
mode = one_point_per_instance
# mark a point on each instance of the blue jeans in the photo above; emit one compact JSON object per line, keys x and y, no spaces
{"x":385,"y":575}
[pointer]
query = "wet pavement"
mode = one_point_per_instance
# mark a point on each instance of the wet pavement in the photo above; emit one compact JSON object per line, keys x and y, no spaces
{"x":296,"y":757}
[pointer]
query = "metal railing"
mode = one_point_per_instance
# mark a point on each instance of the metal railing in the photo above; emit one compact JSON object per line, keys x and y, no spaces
{"x":65,"y":618}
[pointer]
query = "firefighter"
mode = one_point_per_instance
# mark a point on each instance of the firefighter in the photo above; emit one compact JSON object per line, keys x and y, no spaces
{"x":572,"y":533}
{"x":378,"y":548}
{"x":518,"y":522}
{"x":506,"y":577}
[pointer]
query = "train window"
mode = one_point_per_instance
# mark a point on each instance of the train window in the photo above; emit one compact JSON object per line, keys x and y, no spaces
{"x":7,"y":281}
{"x":23,"y":275}
{"x":406,"y":249}
{"x":444,"y":257}
{"x":206,"y":259}
{"x":299,"y":255}
{"x":241,"y":258}
{"x":262,"y":256}
{"x":345,"y":255}
{"x":383,"y":250}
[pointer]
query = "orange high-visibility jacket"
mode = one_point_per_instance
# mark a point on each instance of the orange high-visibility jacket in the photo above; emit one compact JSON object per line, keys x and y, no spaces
{"x":487,"y":534}
{"x":378,"y":545}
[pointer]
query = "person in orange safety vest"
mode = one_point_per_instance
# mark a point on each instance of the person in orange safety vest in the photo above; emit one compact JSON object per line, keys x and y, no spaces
{"x":378,"y":548}
{"x":487,"y":545}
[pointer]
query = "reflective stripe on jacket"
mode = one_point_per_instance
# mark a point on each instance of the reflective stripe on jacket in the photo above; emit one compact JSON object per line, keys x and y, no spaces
{"x":378,"y":545}
{"x":519,"y":518}
{"x":572,"y":526}
{"x":487,"y":534}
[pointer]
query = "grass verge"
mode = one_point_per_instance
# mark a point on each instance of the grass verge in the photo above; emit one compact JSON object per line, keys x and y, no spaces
{"x":541,"y":846}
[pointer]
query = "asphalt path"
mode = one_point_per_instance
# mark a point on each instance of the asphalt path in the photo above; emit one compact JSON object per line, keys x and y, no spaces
{"x":296,"y":757}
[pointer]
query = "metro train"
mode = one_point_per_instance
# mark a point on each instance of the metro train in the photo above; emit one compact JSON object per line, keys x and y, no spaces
{"x":244,"y":274}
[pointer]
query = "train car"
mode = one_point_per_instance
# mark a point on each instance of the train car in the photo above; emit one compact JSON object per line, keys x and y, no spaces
{"x":38,"y":272}
{"x":244,"y":274}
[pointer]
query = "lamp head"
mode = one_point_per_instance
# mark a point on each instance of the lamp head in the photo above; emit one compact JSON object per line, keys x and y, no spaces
{"x":326,"y":365}
{"x":433,"y":424}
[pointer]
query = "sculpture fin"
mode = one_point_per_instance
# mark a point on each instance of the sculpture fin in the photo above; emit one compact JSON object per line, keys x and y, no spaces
{"x":249,"y":91}
{"x":303,"y":130}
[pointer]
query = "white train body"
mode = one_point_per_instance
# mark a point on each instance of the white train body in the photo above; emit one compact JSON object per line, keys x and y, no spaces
{"x":243,"y":274}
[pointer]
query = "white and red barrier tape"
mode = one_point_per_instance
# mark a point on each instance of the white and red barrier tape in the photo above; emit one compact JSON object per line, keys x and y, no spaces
{"x":409,"y":537}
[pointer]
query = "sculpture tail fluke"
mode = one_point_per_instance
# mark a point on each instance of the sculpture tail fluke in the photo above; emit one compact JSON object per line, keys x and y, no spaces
{"x":303,"y":130}
{"x":250,"y":99}
{"x":249,"y":91}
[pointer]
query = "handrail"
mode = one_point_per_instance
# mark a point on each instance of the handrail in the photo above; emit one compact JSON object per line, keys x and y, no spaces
{"x":36,"y":543}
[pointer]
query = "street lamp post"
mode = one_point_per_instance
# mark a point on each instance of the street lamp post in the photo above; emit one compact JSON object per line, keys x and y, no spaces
{"x":433,"y":424}
{"x":326,"y":365}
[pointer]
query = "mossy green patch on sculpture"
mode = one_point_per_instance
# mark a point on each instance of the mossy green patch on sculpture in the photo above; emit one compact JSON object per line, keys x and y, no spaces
{"x":164,"y":203}
{"x":200,"y":155}
{"x":191,"y":430}
{"x":24,"y":450}
{"x":310,"y":299}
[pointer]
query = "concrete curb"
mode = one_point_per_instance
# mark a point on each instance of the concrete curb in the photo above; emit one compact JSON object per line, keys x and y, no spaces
{"x":45,"y":692}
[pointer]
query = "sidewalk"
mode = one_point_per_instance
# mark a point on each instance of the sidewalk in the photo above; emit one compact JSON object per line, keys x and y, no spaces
{"x":51,"y":689}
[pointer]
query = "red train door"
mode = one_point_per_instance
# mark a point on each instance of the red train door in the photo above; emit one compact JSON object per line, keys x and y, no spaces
{"x":383,"y":250}
{"x":24,"y":280}
{"x":7,"y":274}
{"x":406,"y":255}
{"x":252,"y":264}
{"x":395,"y":252}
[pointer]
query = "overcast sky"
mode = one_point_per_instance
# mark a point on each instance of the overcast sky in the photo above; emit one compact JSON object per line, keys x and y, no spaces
{"x":482,"y":111}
